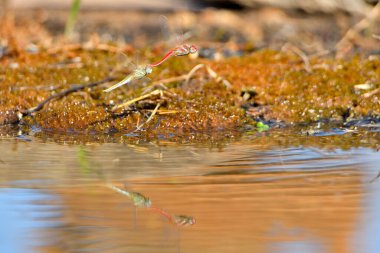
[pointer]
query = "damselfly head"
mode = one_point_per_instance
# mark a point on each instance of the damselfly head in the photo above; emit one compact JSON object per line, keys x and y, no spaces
{"x":193,"y":49}
{"x":184,"y":220}
{"x":148,"y":69}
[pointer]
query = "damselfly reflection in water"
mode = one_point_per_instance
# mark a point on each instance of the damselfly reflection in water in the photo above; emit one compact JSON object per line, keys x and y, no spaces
{"x":137,"y":199}
{"x":270,"y":193}
{"x":180,"y":220}
{"x":140,"y":200}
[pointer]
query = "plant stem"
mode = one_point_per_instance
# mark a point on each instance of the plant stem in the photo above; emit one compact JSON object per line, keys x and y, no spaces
{"x":71,"y":20}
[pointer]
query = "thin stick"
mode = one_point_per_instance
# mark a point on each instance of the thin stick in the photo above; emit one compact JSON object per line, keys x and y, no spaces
{"x":301,"y":54}
{"x":360,"y":26}
{"x":165,"y":112}
{"x":371,"y":93}
{"x":65,"y":93}
{"x":188,"y":76}
{"x":218,"y":78}
{"x":155,"y":92}
{"x":192,"y":71}
{"x":150,"y":117}
{"x":172,"y":79}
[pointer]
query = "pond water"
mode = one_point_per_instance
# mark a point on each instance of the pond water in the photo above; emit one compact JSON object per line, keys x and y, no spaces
{"x":277,"y":191}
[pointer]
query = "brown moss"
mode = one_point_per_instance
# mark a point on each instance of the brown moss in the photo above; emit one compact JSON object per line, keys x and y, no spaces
{"x":278,"y":80}
{"x":295,"y":95}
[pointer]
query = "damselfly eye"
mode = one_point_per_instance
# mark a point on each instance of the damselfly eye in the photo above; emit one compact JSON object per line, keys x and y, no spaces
{"x":193,"y":49}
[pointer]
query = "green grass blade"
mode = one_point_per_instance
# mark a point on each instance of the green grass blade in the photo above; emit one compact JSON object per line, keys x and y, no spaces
{"x":71,"y":20}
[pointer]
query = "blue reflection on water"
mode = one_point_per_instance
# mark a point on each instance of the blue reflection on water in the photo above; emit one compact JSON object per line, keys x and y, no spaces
{"x":369,"y":225}
{"x":297,"y":247}
{"x":23,"y":213}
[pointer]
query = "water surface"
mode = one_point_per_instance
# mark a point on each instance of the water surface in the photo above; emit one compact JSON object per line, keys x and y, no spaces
{"x":279,"y":191}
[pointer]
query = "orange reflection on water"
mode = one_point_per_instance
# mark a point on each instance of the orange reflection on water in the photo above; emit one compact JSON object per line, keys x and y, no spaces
{"x":241,"y":213}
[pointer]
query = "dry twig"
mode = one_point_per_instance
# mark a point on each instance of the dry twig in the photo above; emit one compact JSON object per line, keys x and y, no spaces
{"x":129,"y":102}
{"x":345,"y":44}
{"x":371,"y":93}
{"x":301,"y":54}
{"x":65,"y":93}
{"x":150,"y":117}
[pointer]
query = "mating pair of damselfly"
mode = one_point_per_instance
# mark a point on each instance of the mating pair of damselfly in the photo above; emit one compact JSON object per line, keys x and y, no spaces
{"x":144,"y":70}
{"x":140,"y":200}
